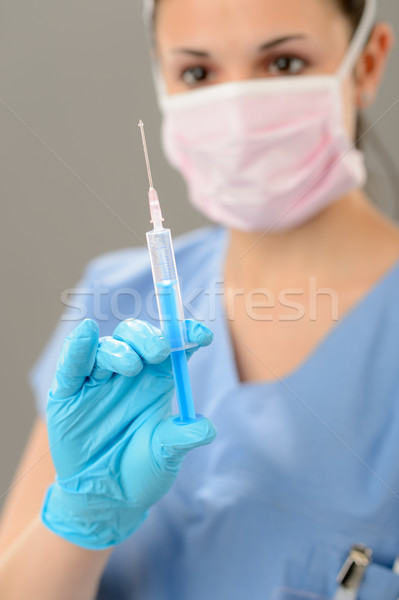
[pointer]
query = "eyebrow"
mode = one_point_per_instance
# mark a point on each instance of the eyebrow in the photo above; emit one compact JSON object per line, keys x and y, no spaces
{"x":262,"y":48}
{"x":287,"y":38}
{"x":197,"y":53}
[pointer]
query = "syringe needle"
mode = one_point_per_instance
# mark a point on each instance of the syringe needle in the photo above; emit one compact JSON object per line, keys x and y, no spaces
{"x":147,"y":160}
{"x":155,"y":209}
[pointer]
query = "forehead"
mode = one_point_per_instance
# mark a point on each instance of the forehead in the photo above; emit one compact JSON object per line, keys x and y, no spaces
{"x":196,"y":19}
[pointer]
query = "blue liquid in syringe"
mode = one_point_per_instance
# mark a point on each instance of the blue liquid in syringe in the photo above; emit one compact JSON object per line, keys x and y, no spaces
{"x":172,"y":328}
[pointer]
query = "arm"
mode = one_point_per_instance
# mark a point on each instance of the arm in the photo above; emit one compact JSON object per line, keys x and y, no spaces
{"x":34,"y":562}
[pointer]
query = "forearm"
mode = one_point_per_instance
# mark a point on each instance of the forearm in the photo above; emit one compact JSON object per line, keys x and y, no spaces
{"x":42,"y":566}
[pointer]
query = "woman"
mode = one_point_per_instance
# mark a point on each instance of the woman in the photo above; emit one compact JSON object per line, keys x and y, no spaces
{"x":304,"y":394}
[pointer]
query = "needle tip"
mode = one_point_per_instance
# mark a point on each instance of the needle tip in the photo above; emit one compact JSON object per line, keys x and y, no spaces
{"x":141,"y":124}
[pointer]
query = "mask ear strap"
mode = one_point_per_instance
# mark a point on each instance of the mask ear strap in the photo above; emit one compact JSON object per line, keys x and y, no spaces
{"x":159,"y":82}
{"x":360,"y":38}
{"x":148,"y":11}
{"x":148,"y":16}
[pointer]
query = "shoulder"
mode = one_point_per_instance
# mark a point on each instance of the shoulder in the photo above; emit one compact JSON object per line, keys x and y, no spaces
{"x":197,"y":247}
{"x":128,"y":265}
{"x":378,"y":265}
{"x":390,"y":311}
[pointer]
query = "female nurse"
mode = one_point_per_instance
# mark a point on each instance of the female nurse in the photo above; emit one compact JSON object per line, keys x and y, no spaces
{"x":298,"y":281}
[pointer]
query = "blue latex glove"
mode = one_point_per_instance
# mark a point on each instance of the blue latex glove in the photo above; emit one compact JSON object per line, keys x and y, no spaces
{"x":116,"y":449}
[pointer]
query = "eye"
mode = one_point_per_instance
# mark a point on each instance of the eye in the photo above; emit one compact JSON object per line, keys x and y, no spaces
{"x":287,"y":65}
{"x":195,"y":75}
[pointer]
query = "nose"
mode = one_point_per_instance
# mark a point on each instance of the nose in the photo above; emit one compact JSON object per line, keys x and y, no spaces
{"x":242,"y":73}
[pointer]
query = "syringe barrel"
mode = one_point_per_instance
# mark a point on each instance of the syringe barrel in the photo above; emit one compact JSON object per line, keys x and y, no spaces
{"x":167,"y":287}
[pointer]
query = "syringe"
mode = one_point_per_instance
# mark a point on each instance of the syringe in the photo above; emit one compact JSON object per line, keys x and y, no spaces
{"x":169,"y":300}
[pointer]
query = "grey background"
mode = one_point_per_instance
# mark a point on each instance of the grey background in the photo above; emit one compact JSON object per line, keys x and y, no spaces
{"x":75,"y":79}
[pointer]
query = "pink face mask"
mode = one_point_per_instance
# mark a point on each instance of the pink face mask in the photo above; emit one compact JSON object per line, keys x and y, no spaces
{"x":266,"y":154}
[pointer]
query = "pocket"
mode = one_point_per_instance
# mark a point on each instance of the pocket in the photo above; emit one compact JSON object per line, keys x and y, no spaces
{"x":379,"y":582}
{"x":291,"y":594}
{"x":310,"y":576}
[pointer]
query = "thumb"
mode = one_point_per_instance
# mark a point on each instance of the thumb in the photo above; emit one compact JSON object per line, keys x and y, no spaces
{"x":76,"y":360}
{"x":172,"y":441}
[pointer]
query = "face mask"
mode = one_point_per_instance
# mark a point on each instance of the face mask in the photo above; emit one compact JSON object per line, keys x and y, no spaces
{"x":266,"y":154}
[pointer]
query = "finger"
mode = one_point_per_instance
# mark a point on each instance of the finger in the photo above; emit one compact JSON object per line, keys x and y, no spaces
{"x":148,"y":341}
{"x":172,"y":441}
{"x":114,"y":356}
{"x":76,"y":360}
{"x":197,"y":333}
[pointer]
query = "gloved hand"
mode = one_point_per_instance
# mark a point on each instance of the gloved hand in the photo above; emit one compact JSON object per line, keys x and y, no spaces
{"x":116,"y":449}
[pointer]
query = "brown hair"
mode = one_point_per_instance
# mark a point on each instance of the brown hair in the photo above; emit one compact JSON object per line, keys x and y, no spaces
{"x":353,"y":9}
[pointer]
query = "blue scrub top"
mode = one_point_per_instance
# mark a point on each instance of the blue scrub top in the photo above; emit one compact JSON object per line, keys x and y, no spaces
{"x":302,"y":467}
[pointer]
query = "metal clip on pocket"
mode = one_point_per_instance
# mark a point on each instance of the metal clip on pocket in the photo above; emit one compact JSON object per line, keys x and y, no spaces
{"x":352,"y":572}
